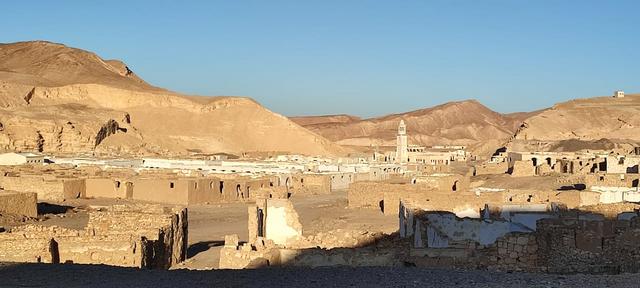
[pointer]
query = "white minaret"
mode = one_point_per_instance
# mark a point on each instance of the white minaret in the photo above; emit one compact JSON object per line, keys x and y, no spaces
{"x":401,"y":145}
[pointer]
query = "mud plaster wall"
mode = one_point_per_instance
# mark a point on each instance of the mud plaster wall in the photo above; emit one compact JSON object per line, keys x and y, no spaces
{"x":491,"y":168}
{"x":48,"y":189}
{"x":171,"y":191}
{"x":108,"y":188}
{"x":281,"y":222}
{"x":310,"y":184}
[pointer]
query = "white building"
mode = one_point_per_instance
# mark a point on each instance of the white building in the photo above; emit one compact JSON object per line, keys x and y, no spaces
{"x":442,"y":155}
{"x":21,"y":159}
{"x":618,"y":94}
{"x":402,"y":153}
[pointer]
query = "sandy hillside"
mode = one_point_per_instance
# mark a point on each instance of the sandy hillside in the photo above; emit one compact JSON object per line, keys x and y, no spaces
{"x":465,"y":123}
{"x":591,"y":123}
{"x":325,"y":119}
{"x":58,"y":99}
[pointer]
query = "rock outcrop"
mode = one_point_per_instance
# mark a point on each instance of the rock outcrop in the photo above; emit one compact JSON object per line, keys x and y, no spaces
{"x":593,"y":123}
{"x":57,"y":99}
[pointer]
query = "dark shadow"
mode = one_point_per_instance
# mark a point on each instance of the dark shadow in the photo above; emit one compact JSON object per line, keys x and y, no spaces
{"x":46,"y":208}
{"x":196,"y":248}
{"x":381,"y":205}
{"x":578,"y":187}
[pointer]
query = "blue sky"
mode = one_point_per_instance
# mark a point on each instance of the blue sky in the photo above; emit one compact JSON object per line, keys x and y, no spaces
{"x":364,"y":58}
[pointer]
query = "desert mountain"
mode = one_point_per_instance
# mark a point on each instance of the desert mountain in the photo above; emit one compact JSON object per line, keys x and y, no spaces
{"x":59,"y":99}
{"x":464,"y":123}
{"x":591,"y":123}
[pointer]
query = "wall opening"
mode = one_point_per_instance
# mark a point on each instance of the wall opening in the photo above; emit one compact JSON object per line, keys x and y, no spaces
{"x":260,"y":223}
{"x":221,"y":187}
{"x":172,"y":185}
{"x":239,"y":191}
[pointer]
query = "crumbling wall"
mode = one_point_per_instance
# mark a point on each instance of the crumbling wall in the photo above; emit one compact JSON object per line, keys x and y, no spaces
{"x":282,"y":224}
{"x":115,"y":250}
{"x":259,"y":253}
{"x":341,"y":181}
{"x":165,"y":230}
{"x":311,"y":184}
{"x":48,"y":188}
{"x":19,"y":203}
{"x":523,"y":168}
{"x":612,"y":180}
{"x":366,"y":194}
{"x":15,"y":248}
{"x":512,"y":252}
{"x":131,"y":236}
{"x":444,"y":182}
{"x":73,"y":188}
{"x":491,"y":168}
{"x":583,"y":246}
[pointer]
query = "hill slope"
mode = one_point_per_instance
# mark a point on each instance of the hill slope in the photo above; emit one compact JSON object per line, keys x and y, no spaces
{"x":465,"y":123}
{"x":590,"y":123}
{"x":58,"y":99}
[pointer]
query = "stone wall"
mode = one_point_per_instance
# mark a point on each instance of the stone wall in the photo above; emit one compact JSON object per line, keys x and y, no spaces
{"x":612,"y":180}
{"x":15,"y":248}
{"x":444,"y":182}
{"x":256,"y":254}
{"x":583,"y":246}
{"x":131,"y":236}
{"x":19,"y":203}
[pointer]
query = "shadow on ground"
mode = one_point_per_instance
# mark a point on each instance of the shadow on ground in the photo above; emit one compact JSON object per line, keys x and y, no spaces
{"x":196,"y":248}
{"x":47,"y":208}
{"x":74,"y":275}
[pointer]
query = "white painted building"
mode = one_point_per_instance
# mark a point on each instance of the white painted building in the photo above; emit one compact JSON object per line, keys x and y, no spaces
{"x":21,"y":159}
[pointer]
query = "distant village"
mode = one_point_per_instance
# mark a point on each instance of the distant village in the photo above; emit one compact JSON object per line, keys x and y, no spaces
{"x":559,"y":212}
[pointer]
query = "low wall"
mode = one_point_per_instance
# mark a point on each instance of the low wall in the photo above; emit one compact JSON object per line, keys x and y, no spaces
{"x":47,"y":188}
{"x":491,"y":168}
{"x":131,"y":236}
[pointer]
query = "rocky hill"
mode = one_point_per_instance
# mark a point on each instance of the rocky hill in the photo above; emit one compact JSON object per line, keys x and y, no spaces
{"x":58,"y":99}
{"x":591,"y":123}
{"x":464,"y":123}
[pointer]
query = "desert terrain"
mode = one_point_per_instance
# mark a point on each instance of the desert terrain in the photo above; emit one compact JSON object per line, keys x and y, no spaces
{"x":107,"y":180}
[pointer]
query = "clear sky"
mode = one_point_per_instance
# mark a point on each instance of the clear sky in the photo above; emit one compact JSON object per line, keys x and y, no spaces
{"x":365,"y":58}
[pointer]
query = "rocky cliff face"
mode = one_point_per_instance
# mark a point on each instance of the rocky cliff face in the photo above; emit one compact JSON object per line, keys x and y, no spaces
{"x":582,"y":124}
{"x":61,"y":129}
{"x":57,"y":99}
